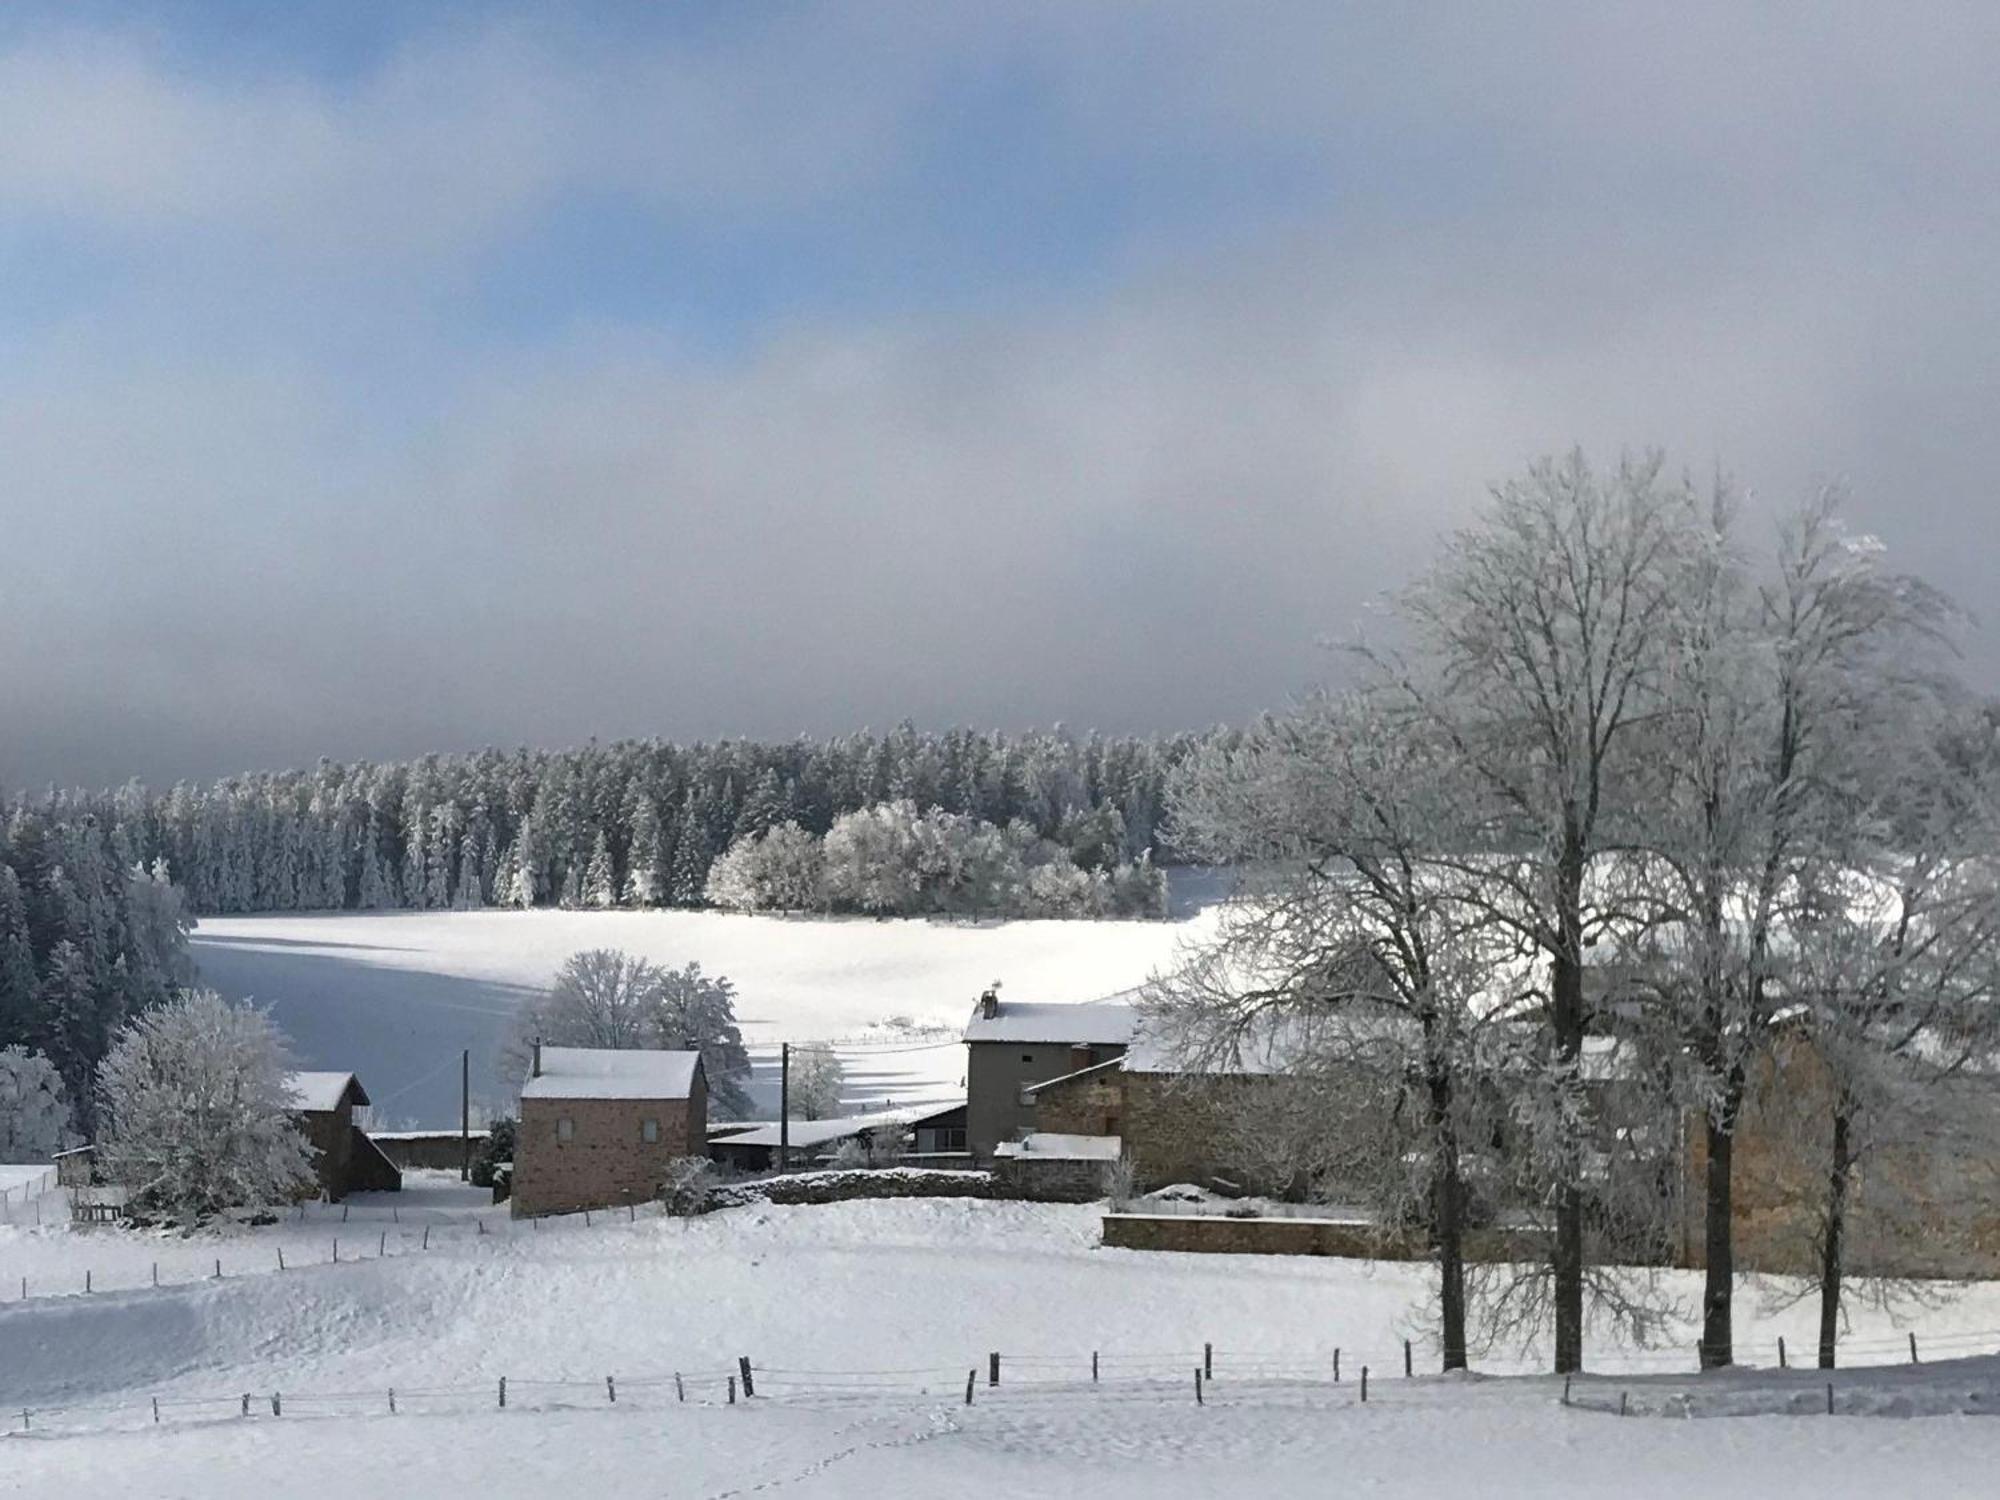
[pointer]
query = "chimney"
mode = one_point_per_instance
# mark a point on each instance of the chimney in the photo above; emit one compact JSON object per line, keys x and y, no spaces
{"x":537,"y":1073}
{"x":989,"y":1002}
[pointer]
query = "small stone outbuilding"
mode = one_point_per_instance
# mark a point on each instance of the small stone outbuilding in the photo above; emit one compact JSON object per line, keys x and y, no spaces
{"x":600,"y":1126}
{"x":344,"y":1159}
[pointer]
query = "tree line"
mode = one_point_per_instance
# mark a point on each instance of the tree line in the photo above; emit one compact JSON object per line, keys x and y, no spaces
{"x":1637,"y":810}
{"x":636,"y":823}
{"x":90,"y":936}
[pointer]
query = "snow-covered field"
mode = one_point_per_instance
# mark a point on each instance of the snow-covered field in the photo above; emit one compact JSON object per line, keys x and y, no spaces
{"x":863,"y":1319}
{"x":394,"y":996}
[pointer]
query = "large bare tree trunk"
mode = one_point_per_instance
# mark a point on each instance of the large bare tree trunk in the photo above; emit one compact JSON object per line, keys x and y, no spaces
{"x":1832,"y":1248}
{"x":1718,"y":1238}
{"x":1448,"y":1216}
{"x":1566,"y":995}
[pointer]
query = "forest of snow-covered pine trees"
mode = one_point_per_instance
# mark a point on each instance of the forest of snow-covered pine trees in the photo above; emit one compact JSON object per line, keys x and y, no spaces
{"x":637,"y":823}
{"x":90,"y":935}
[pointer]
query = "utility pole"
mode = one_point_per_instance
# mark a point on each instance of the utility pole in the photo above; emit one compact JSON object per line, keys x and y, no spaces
{"x":465,"y":1115}
{"x":784,"y":1106}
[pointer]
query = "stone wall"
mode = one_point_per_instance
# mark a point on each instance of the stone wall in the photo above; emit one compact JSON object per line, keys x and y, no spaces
{"x":842,"y":1187}
{"x":1052,"y":1179}
{"x":1924,"y":1203}
{"x":1176,"y":1127}
{"x":607,"y":1161}
{"x":1347,"y":1239}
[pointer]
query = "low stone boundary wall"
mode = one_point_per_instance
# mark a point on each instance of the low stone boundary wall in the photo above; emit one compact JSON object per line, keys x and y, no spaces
{"x":1349,"y":1239}
{"x":842,"y":1187}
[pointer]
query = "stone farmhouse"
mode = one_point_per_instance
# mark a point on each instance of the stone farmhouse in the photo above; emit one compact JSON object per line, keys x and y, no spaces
{"x":600,"y":1126}
{"x":1013,"y":1045}
{"x":345,"y":1160}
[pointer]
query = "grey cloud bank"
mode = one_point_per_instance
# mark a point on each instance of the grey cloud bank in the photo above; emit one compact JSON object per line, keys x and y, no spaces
{"x":271,"y":491}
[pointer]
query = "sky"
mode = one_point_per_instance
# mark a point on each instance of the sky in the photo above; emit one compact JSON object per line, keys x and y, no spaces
{"x":379,"y":379}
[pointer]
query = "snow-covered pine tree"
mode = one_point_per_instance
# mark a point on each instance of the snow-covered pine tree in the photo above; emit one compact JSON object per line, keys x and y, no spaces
{"x":34,"y":1108}
{"x":19,"y":1010}
{"x":646,"y":875}
{"x":600,"y":883}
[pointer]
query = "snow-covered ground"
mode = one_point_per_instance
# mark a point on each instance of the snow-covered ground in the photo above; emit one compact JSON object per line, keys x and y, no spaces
{"x":394,"y":996}
{"x":864,"y":1319}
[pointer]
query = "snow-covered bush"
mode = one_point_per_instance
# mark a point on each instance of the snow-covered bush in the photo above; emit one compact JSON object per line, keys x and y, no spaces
{"x":495,"y":1151}
{"x":783,"y":869}
{"x":34,"y":1110}
{"x":198,"y":1111}
{"x":686,"y":1184}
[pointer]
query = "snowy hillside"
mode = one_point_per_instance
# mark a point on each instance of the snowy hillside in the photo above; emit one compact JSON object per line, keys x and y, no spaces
{"x":394,"y":996}
{"x":861,"y":1388}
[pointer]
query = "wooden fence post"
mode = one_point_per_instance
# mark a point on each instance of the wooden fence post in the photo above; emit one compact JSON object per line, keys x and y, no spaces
{"x":156,"y":1408}
{"x":336,"y":1249}
{"x":1197,"y":1385}
{"x":749,"y":1386}
{"x":1407,"y":1369}
{"x":382,"y":1245}
{"x":1093,"y":1367}
{"x":281,"y":1257}
{"x":246,"y":1403}
{"x":86,"y":1281}
{"x":1913,"y":1346}
{"x":1566,"y":1380}
{"x":1364,"y":1383}
{"x":971,"y":1379}
{"x":732,"y":1390}
{"x":503,"y":1393}
{"x":611,"y":1390}
{"x":680,"y":1391}
{"x":993,"y":1368}
{"x":1208,"y":1361}
{"x":427,"y":1236}
{"x":218,"y":1268}
{"x":343,"y":1213}
{"x":1782,"y":1364}
{"x":277,"y":1406}
{"x":1829,"y":1398}
{"x":392,"y":1401}
{"x":1623,"y":1397}
{"x":1336,"y":1364}
{"x":156,"y":1273}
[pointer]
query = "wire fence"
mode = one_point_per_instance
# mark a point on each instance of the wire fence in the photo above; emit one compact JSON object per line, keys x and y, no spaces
{"x":351,"y":1236}
{"x":20,"y":1201}
{"x":1325,"y":1378}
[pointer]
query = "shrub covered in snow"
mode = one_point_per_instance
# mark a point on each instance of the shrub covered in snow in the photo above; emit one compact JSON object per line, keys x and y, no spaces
{"x":34,"y":1110}
{"x":198,"y":1110}
{"x":687,"y":1185}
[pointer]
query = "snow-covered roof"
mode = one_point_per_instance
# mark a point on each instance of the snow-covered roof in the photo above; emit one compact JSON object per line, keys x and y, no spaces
{"x":316,"y":1093}
{"x":1106,"y":1022}
{"x":1045,"y":1145}
{"x":805,"y":1134}
{"x":612,"y":1073}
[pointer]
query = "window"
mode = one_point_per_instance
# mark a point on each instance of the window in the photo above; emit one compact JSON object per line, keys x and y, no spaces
{"x":649,"y":1131}
{"x":1027,"y":1057}
{"x":565,"y":1128}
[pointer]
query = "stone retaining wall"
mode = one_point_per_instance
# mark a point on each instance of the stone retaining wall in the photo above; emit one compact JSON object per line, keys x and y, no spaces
{"x":1347,"y":1239}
